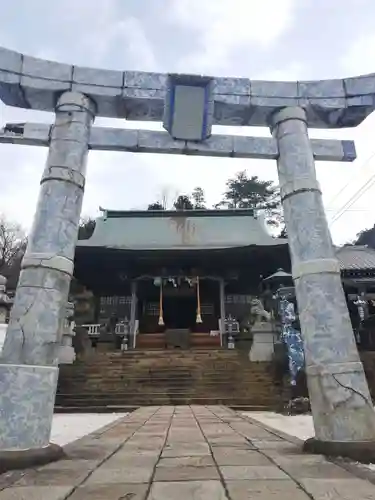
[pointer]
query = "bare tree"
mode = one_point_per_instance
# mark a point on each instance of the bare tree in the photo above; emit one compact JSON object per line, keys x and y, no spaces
{"x":165,"y":200}
{"x":13,"y":243}
{"x":198,"y":198}
{"x":169,"y":195}
{"x":164,"y":197}
{"x":86,"y":228}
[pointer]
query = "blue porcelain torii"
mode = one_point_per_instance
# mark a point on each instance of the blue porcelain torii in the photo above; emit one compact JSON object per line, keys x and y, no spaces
{"x":188,"y":106}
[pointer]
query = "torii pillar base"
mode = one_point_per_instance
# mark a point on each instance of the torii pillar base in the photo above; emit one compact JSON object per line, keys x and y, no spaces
{"x":24,"y":459}
{"x":359,"y":451}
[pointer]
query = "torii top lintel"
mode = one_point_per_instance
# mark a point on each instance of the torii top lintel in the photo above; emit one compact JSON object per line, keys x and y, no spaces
{"x":32,"y":83}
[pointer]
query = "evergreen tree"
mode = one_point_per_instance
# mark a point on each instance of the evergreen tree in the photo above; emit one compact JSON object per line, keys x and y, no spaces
{"x":366,"y":237}
{"x":155,"y":206}
{"x":252,"y":193}
{"x":183,"y":202}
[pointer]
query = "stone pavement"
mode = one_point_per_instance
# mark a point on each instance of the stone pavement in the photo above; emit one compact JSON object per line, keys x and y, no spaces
{"x":181,"y":453}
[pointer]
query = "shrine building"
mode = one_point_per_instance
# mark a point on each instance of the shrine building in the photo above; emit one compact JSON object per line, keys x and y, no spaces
{"x":184,"y":272}
{"x":174,"y":278}
{"x":176,"y":271}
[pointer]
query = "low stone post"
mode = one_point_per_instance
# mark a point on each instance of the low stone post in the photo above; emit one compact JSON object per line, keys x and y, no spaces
{"x":340,"y":400}
{"x":29,"y":369}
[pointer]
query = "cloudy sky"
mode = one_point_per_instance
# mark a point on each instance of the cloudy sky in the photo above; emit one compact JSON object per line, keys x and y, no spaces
{"x":265,"y":39}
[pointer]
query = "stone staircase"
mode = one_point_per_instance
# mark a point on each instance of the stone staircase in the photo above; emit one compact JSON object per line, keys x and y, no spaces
{"x":115,"y":381}
{"x":159,"y":341}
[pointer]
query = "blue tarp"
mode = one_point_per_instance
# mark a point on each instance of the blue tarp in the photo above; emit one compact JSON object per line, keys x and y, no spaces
{"x":292,"y":338}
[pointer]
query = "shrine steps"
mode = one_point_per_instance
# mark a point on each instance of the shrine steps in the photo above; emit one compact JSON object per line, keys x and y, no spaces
{"x":122,"y":381}
{"x":158,"y":341}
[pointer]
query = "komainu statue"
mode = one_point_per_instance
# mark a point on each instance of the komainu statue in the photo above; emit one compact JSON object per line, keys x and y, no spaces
{"x":258,"y":312}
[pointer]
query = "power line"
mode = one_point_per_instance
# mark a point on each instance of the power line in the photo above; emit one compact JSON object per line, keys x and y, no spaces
{"x":350,"y":210}
{"x":352,"y":178}
{"x":355,"y":197}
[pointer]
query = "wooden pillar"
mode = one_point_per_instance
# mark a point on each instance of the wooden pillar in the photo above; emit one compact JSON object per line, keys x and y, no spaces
{"x":222,"y":309}
{"x":133,"y":310}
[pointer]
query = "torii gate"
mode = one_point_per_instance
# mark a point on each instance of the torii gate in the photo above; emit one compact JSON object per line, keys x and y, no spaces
{"x":188,"y":106}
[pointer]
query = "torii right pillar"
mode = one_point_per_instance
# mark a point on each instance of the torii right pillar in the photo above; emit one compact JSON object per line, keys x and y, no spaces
{"x":343,"y":413}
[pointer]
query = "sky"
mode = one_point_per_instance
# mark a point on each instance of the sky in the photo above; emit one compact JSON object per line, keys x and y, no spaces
{"x":266,"y":39}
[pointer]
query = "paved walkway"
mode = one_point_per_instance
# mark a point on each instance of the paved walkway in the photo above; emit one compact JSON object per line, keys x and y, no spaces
{"x":181,"y":453}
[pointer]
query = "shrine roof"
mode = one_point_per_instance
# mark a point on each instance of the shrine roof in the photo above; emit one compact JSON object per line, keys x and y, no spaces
{"x":280,"y":273}
{"x":356,"y":258}
{"x":179,"y":230}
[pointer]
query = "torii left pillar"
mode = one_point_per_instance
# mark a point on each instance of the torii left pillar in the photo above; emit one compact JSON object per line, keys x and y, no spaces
{"x":29,"y":363}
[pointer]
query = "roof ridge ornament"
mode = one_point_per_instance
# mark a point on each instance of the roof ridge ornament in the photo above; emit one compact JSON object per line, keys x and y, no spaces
{"x":104,"y":212}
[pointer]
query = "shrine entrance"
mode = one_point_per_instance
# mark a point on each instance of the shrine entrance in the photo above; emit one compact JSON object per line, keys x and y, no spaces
{"x":180,"y":312}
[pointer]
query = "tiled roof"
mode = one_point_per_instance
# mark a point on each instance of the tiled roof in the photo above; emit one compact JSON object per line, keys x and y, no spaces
{"x":171,"y":230}
{"x":280,"y":273}
{"x":356,"y":258}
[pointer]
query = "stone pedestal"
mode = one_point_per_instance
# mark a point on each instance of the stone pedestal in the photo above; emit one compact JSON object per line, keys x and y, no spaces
{"x":340,"y":400}
{"x":67,"y":353}
{"x":29,"y":369}
{"x":27,"y":398}
{"x":264,"y":339}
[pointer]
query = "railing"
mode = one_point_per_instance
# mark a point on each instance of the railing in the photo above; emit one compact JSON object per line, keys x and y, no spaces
{"x":93,"y":330}
{"x":120,"y":328}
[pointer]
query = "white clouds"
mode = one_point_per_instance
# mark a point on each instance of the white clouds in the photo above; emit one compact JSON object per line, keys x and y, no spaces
{"x":232,"y":23}
{"x":228,"y":35}
{"x":22,"y":170}
{"x":130,"y":35}
{"x":124,"y":41}
{"x":75,"y":32}
{"x":290,"y":73}
{"x":223,"y":26}
{"x":360,"y":58}
{"x":339,"y":181}
{"x":100,"y":36}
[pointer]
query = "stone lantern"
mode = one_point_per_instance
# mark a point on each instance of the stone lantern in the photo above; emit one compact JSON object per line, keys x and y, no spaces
{"x":5,"y":301}
{"x":5,"y":305}
{"x":66,"y":350}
